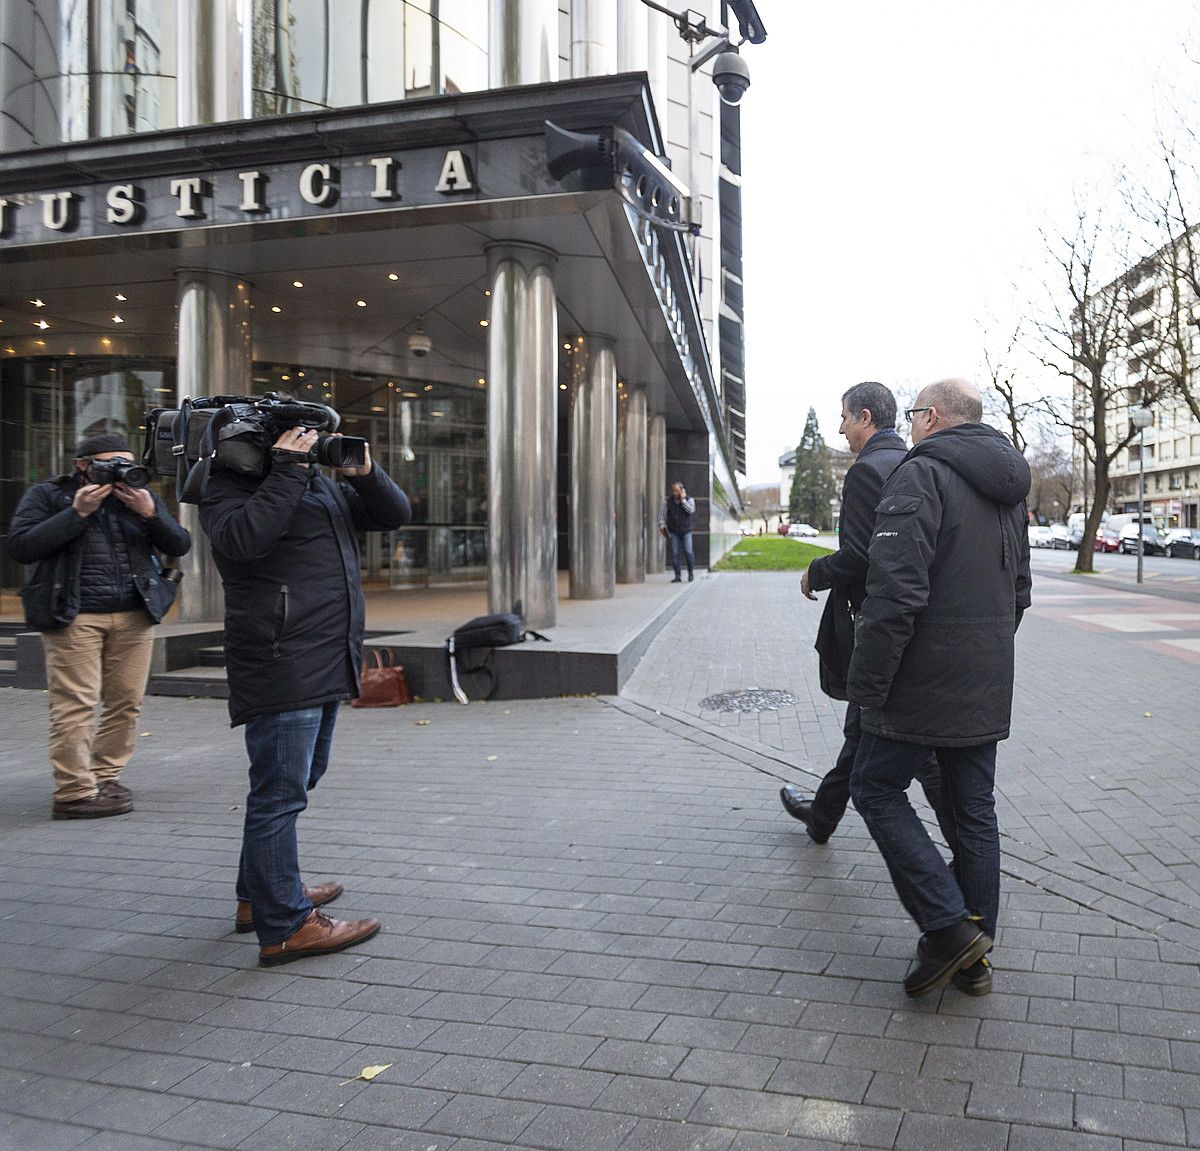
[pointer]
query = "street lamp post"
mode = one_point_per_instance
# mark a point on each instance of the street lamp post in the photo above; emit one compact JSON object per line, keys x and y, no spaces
{"x":1141,"y":418}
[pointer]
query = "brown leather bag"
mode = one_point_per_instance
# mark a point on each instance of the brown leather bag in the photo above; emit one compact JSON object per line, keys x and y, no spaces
{"x":383,"y":682}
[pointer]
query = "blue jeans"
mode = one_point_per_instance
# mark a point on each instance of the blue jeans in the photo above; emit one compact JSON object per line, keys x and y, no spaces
{"x":682,"y":540}
{"x":932,"y":894}
{"x":289,"y":752}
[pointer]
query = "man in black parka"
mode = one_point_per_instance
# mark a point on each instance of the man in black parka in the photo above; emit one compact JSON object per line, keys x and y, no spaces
{"x":95,"y":591}
{"x":869,"y":425}
{"x":287,"y":552}
{"x":947,"y":583}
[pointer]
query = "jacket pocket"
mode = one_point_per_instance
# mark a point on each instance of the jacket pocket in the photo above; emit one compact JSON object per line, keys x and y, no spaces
{"x":281,"y":620}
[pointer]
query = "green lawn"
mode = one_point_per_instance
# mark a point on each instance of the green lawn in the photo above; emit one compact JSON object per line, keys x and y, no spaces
{"x":770,"y":554}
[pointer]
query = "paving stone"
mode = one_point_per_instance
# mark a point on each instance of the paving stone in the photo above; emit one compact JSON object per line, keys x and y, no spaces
{"x":653,"y":1098}
{"x":726,"y":1069}
{"x":1130,"y":1118}
{"x":568,"y":1086}
{"x":212,"y":1124}
{"x":473,"y":1116}
{"x":304,"y":1133}
{"x":1009,"y":1104}
{"x":808,"y":1118}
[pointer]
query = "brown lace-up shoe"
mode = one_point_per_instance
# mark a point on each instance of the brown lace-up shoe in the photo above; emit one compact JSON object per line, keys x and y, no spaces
{"x":114,"y":788}
{"x":318,"y":935}
{"x":97,"y":807}
{"x":318,"y":895}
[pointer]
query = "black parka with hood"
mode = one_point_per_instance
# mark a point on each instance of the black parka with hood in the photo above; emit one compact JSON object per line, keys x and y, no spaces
{"x":947,"y":581}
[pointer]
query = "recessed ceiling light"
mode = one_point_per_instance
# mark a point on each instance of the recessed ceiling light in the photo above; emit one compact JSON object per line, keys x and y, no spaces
{"x":40,"y":343}
{"x":481,"y":381}
{"x":285,"y":377}
{"x":483,"y":323}
{"x":562,"y":387}
{"x":487,"y":292}
{"x":300,"y":374}
{"x":429,"y":387}
{"x":361,"y":303}
{"x":411,"y":395}
{"x":118,"y":320}
{"x":393,"y":276}
{"x":297,"y":283}
{"x":437,"y":413}
{"x":38,"y":303}
{"x":120,"y":297}
{"x":106,"y":341}
{"x":11,"y":351}
{"x":42,"y":324}
{"x":276,"y":308}
{"x":567,"y":347}
{"x":377,"y":408}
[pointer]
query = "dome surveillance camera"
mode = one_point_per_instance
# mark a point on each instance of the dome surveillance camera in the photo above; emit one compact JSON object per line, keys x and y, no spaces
{"x":731,"y":75}
{"x":420,"y":345}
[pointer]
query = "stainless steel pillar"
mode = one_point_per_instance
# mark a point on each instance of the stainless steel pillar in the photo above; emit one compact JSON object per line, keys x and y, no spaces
{"x":593,"y":468}
{"x":524,"y":42}
{"x":593,"y":38}
{"x":522,"y":434}
{"x":656,"y":489}
{"x":631,"y":486}
{"x":213,"y":359}
{"x":211,"y":47}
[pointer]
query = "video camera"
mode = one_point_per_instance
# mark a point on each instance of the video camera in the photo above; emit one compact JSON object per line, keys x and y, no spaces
{"x":236,"y":434}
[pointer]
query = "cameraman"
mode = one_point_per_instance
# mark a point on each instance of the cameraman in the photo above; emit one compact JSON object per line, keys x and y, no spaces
{"x":288,"y":556}
{"x":95,"y":594}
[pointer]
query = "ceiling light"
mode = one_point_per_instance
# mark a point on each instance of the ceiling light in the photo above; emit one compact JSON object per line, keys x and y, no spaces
{"x":11,"y":351}
{"x":376,"y":408}
{"x":567,"y":347}
{"x":361,"y":303}
{"x":481,"y":381}
{"x":106,"y":341}
{"x":297,"y":283}
{"x":301,"y":375}
{"x":437,"y":413}
{"x":487,"y":292}
{"x":393,"y":276}
{"x":118,"y":296}
{"x":276,"y":308}
{"x":429,"y":387}
{"x":562,"y":387}
{"x":42,"y":324}
{"x":37,"y":303}
{"x":285,"y":377}
{"x":483,"y":323}
{"x":40,"y":343}
{"x":118,"y":320}
{"x":411,"y":395}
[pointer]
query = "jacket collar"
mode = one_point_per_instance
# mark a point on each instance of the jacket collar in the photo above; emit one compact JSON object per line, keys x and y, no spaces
{"x":887,"y":439}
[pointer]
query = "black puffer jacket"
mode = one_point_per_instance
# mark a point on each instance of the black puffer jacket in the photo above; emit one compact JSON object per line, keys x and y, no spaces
{"x":289,"y":559}
{"x":947,"y":582}
{"x":82,"y":560}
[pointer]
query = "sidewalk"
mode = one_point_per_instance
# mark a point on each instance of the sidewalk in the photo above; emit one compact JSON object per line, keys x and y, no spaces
{"x":609,"y":935}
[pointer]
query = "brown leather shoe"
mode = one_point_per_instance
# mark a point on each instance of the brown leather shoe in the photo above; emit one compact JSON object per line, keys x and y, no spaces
{"x":95,"y":808}
{"x":112,"y":787}
{"x":318,"y":935}
{"x":318,"y":896}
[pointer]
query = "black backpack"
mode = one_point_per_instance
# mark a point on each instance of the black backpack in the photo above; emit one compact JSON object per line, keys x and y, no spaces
{"x":485,"y":632}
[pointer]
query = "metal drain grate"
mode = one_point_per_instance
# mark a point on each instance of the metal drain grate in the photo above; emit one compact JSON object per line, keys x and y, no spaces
{"x":748,"y":699}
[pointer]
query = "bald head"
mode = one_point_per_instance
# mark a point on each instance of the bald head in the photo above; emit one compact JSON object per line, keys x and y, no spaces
{"x":956,"y":401}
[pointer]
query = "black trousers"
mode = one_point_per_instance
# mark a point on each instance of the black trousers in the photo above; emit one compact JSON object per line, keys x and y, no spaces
{"x":829,"y":804}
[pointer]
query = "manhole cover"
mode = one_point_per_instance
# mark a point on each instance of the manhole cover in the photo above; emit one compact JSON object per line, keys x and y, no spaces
{"x":748,"y":699}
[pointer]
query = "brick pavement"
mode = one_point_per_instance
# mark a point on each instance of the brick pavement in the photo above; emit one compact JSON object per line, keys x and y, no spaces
{"x":608,"y":936}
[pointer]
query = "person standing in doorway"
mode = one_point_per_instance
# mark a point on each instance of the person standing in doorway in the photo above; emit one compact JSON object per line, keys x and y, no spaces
{"x":675,"y":522}
{"x":95,"y":592}
{"x":869,"y":425}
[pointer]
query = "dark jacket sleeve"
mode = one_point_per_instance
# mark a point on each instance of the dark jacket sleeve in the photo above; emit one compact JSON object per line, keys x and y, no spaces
{"x":246,"y":525}
{"x":165,"y":532}
{"x":900,"y":555}
{"x":38,"y":530}
{"x":1024,"y":579}
{"x":847,"y":567}
{"x":376,"y":502}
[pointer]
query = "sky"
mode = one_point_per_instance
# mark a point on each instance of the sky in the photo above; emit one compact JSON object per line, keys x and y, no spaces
{"x":898,"y":161}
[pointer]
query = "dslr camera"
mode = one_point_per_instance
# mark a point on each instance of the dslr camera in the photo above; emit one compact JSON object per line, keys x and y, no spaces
{"x":118,"y":472}
{"x":236,"y":434}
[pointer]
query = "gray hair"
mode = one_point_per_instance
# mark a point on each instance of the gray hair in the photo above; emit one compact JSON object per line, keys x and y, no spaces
{"x":957,"y":401}
{"x":876,"y":399}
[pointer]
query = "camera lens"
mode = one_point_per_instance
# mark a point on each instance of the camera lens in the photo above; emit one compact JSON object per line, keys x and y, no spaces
{"x":131,"y":475}
{"x":341,"y":451}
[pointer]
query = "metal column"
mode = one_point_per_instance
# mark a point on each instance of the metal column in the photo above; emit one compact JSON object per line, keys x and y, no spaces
{"x":593,"y":469}
{"x":522,"y":434}
{"x":656,"y":489}
{"x":631,"y":487}
{"x":524,"y":42}
{"x":213,"y":359}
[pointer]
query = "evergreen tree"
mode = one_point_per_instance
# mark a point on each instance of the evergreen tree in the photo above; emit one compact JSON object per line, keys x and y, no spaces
{"x":812,"y":481}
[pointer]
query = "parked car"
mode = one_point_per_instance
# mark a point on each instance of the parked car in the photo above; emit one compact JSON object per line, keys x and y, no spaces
{"x":1062,"y":537}
{"x":1040,"y":536}
{"x":800,"y":531}
{"x":1107,"y":539}
{"x":1075,"y":537}
{"x":1154,"y":543}
{"x":1184,"y":543}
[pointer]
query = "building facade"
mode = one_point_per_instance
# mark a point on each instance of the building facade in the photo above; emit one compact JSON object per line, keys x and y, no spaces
{"x":353,"y":203}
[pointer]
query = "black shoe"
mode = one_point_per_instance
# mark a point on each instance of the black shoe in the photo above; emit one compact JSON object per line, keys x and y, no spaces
{"x":677,"y":580}
{"x":690,"y":577}
{"x":974,"y":980}
{"x":97,"y":807}
{"x":800,"y":809}
{"x":942,"y":953}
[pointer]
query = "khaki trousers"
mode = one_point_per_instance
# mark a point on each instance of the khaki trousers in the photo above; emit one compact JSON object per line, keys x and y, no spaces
{"x":101,"y":659}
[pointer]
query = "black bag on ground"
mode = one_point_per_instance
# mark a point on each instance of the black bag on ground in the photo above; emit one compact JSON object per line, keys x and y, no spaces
{"x":484,"y":631}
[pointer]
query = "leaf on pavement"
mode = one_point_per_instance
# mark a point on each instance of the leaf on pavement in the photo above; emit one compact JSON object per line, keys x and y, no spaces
{"x":368,"y":1073}
{"x":492,"y":758}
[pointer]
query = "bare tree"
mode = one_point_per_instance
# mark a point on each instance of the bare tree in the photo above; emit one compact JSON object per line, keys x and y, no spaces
{"x":1087,"y":339}
{"x":761,"y":504}
{"x":1000,"y":397}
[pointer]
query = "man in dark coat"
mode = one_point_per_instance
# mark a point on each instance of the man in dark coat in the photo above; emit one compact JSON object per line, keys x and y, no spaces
{"x":95,"y":592}
{"x":947,"y":583}
{"x":869,"y":425}
{"x":288,"y":556}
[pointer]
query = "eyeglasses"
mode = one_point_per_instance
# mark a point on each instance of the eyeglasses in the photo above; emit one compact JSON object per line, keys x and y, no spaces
{"x":910,"y":412}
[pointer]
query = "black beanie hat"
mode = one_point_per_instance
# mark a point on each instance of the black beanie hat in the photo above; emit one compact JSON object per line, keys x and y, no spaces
{"x":95,"y":445}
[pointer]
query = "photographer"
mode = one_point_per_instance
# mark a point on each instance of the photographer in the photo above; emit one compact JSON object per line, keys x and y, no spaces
{"x":95,"y":594}
{"x":285,"y":546}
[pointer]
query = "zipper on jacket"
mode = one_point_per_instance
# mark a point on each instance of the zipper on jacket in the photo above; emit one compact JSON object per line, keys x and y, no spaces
{"x":281,"y":616}
{"x":1003,"y":537}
